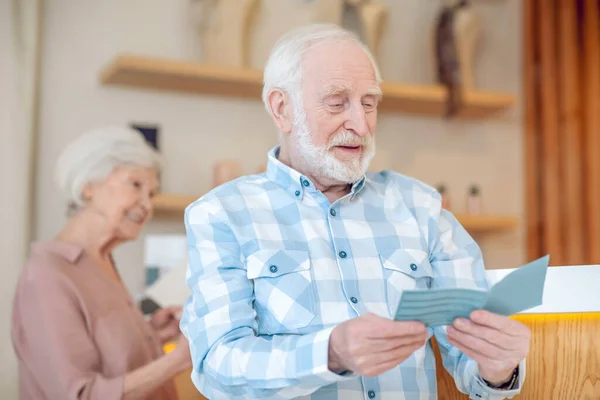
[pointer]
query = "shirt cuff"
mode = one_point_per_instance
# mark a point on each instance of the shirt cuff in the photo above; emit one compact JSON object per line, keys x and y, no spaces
{"x":483,"y":391}
{"x":312,"y":360}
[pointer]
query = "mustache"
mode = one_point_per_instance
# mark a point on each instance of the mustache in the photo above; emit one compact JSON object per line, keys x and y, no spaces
{"x":347,"y":138}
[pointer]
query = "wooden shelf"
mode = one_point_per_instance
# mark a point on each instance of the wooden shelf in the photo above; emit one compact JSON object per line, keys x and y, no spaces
{"x":190,"y":77}
{"x":166,"y":204}
{"x":171,"y":204}
{"x":487,"y":223}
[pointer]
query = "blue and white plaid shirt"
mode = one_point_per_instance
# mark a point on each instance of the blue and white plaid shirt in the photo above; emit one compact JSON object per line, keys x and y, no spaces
{"x":274,"y":267}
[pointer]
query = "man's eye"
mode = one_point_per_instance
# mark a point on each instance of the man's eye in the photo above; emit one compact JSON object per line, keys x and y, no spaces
{"x":369,"y":105}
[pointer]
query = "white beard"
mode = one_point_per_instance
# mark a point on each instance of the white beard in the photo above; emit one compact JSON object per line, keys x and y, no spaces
{"x":323,"y":162}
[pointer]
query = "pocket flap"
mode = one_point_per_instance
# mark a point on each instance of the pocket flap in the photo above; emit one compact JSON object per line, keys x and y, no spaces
{"x":274,"y":263}
{"x":412,"y":262}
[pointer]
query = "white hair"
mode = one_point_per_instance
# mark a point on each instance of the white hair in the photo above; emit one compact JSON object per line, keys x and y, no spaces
{"x":93,"y":156}
{"x":284,"y":66}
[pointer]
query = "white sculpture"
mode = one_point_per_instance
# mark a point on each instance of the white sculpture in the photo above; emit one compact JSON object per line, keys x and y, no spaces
{"x":371,"y":16}
{"x":468,"y":34}
{"x":456,"y":34}
{"x":225,"y":27}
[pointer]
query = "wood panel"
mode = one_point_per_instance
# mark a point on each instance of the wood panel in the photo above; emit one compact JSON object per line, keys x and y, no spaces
{"x":591,"y":45}
{"x":563,"y":363}
{"x":551,"y":185}
{"x":571,"y":135}
{"x":532,"y":153}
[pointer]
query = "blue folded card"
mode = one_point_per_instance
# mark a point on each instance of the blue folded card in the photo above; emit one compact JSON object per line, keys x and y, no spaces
{"x":518,"y":291}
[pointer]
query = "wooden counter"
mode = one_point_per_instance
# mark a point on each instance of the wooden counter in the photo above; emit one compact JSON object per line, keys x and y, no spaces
{"x":564,"y":359}
{"x":563,"y":363}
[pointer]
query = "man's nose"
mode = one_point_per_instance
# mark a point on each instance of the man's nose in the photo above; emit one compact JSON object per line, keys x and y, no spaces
{"x":357,"y":120}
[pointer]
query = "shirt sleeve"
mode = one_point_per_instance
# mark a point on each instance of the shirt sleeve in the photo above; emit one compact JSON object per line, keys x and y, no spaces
{"x":230,"y":361}
{"x":53,"y":342}
{"x":457,"y":262}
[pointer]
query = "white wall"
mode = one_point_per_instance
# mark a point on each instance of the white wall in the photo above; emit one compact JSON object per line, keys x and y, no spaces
{"x":12,"y":205}
{"x":80,"y":37}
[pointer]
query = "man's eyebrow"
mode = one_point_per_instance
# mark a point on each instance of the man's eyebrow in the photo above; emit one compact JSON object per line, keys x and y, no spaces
{"x":334,"y":90}
{"x":337,"y":89}
{"x":376,"y":92}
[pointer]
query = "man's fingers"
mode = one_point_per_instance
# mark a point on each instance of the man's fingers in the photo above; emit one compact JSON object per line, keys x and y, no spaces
{"x":383,"y":328}
{"x":474,"y":355}
{"x":490,"y":335}
{"x":377,"y":363}
{"x":479,"y":345}
{"x":499,"y":322}
{"x":387,"y":345}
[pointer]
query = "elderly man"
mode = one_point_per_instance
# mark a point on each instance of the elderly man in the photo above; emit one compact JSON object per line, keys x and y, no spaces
{"x":295,"y":274}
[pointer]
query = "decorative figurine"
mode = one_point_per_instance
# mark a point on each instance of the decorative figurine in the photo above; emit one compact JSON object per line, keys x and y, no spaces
{"x":457,"y":33}
{"x":225,"y":27}
{"x":441,"y":188}
{"x":474,"y":200}
{"x":225,"y":171}
{"x":371,"y":16}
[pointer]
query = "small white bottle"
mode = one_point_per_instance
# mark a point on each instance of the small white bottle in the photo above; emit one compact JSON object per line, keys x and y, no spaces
{"x":474,"y":200}
{"x":441,"y":188}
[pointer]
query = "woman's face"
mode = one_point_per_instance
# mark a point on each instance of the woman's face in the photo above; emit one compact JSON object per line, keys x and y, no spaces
{"x":124,"y":199}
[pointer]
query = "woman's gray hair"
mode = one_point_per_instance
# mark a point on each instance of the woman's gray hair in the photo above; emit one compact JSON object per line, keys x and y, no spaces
{"x":93,"y":156}
{"x":283,"y":70}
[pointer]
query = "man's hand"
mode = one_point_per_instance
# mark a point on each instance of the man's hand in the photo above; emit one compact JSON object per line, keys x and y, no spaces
{"x":497,"y":343}
{"x":165,"y":322}
{"x":370,"y":345}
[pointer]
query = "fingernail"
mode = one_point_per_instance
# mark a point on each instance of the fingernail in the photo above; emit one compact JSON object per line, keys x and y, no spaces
{"x":450,"y":330}
{"x":460,"y":323}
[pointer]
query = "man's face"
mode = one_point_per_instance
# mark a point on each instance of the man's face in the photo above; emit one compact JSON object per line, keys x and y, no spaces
{"x":340,"y":96}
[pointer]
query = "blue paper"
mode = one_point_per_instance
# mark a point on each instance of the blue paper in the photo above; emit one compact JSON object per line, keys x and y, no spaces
{"x":518,"y":291}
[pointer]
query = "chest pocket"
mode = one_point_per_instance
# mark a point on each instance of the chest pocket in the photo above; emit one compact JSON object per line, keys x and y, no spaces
{"x":404,"y":269}
{"x":283,"y":289}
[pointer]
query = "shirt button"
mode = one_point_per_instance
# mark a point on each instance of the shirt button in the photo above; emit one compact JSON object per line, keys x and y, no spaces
{"x":343,"y":254}
{"x":371,"y":394}
{"x":332,"y":212}
{"x":297,"y":193}
{"x":354,"y":300}
{"x":306,"y":183}
{"x":413,"y":267}
{"x":273,"y":268}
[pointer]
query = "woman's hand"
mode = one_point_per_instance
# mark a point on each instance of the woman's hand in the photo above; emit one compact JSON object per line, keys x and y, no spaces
{"x":182,"y":352}
{"x":165,"y":322}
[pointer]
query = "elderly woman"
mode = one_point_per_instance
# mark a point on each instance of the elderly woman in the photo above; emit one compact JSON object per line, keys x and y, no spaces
{"x":76,"y":330}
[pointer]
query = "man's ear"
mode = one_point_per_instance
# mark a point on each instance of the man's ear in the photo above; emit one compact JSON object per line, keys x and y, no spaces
{"x":280,"y":107}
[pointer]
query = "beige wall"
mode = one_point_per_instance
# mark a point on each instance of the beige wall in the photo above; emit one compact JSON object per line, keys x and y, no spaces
{"x":196,"y":131}
{"x":80,"y":37}
{"x":13,"y":207}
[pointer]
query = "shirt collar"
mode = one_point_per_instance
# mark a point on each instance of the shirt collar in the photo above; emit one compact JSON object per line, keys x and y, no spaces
{"x":293,"y":181}
{"x":70,"y":252}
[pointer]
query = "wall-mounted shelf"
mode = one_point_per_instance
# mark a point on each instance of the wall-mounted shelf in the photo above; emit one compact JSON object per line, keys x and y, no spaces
{"x":174,"y":205}
{"x":190,"y":77}
{"x":487,"y":223}
{"x":171,"y":204}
